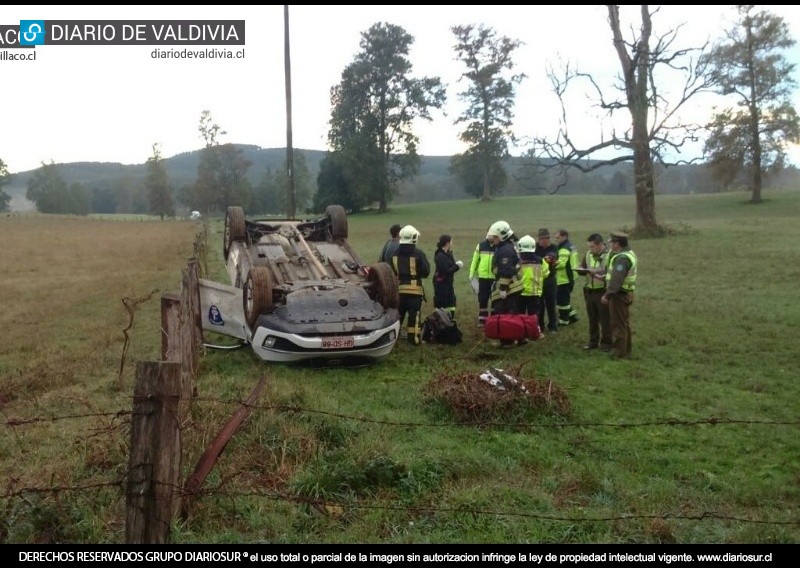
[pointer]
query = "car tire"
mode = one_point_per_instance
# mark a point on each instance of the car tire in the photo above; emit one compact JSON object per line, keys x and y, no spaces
{"x":234,"y":228}
{"x":256,"y":294}
{"x":338,"y":217}
{"x":383,"y":285}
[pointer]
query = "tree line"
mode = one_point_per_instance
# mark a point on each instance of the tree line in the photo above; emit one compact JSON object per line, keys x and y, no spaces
{"x":373,"y":147}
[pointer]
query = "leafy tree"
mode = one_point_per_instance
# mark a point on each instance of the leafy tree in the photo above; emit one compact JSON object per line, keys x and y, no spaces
{"x":656,"y":130}
{"x":79,"y":199}
{"x":124,"y":190}
{"x":157,"y":186}
{"x":340,"y":181}
{"x":51,"y":194}
{"x":266,"y":198}
{"x":490,"y":97}
{"x":749,"y":66}
{"x":221,"y":173}
{"x":48,"y":190}
{"x":233,"y":185}
{"x":209,"y":130}
{"x":470,"y":168}
{"x":5,"y":177}
{"x":104,"y":200}
{"x":374,"y":106}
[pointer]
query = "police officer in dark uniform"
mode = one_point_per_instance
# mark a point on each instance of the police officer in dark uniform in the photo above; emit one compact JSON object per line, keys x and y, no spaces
{"x":620,"y":284}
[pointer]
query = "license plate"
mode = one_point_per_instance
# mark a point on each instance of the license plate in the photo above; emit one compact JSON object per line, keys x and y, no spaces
{"x":337,"y":342}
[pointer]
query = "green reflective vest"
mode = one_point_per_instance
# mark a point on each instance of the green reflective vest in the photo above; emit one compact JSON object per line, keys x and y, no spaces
{"x":481,"y":265}
{"x":596,"y":264}
{"x":629,"y":283}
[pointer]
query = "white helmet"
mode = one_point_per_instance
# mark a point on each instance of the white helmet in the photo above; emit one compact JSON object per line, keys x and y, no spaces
{"x":500,"y":229}
{"x":409,"y":235}
{"x":526,"y":244}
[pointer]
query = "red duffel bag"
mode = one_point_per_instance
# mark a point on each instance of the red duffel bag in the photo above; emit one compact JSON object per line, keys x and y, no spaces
{"x":512,"y":327}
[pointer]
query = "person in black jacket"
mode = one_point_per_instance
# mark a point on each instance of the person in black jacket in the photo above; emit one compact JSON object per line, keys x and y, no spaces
{"x":548,"y":251}
{"x":390,"y":247}
{"x":444,"y":294}
{"x":411,"y":266}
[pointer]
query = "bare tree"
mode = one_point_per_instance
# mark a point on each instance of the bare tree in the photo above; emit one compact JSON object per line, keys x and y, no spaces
{"x":656,"y":131}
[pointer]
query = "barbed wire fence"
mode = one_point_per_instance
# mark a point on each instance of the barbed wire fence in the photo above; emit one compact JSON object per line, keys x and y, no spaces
{"x":165,"y":391}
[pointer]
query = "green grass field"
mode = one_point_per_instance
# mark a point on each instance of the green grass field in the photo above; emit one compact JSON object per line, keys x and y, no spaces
{"x":693,"y":440}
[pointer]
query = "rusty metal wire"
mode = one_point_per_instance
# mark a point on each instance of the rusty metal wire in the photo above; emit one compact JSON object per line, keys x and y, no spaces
{"x":130,"y":306}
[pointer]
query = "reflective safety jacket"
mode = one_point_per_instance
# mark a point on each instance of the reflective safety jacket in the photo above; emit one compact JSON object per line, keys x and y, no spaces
{"x":481,"y":265}
{"x":411,"y":267}
{"x":597,"y":264}
{"x":621,"y":275}
{"x":532,"y":272}
{"x":567,"y":260}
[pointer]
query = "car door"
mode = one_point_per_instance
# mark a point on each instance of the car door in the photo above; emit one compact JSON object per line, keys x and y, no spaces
{"x":221,"y":309}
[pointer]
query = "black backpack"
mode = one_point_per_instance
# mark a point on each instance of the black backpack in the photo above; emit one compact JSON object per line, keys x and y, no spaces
{"x":440,"y":327}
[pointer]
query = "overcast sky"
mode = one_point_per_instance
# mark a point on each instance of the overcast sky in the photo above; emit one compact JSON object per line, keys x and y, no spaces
{"x":112,"y":103}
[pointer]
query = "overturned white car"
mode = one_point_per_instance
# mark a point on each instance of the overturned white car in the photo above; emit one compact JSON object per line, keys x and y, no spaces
{"x":300,"y":292}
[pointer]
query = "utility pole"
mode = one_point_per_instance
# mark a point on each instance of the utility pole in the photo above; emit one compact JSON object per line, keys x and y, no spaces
{"x":289,"y":150}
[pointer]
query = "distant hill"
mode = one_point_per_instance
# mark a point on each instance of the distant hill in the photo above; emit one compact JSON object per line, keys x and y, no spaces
{"x":182,"y":170}
{"x":433,"y":182}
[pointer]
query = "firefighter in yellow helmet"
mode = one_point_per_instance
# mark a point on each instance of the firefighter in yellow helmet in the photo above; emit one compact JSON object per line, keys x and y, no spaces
{"x":411,"y":267}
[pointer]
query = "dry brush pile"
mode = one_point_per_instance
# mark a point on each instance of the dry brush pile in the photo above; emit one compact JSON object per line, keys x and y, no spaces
{"x":495,"y":395}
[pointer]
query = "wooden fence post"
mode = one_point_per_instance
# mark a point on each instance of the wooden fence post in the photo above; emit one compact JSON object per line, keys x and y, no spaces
{"x":155,"y":453}
{"x":170,"y":328}
{"x":191,"y":333}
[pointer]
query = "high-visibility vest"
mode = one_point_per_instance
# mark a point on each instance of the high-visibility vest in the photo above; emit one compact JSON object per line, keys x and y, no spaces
{"x":567,"y":261}
{"x":481,"y":265}
{"x":629,"y":283}
{"x":532,"y":275}
{"x":596,"y":264}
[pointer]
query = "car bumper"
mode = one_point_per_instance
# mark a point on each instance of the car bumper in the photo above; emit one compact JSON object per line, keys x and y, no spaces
{"x":279,"y":346}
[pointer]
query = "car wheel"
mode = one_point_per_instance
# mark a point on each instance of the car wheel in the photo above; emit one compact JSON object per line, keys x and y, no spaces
{"x":338,"y":218}
{"x":234,"y":228}
{"x":383,"y":285}
{"x":256,"y":294}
